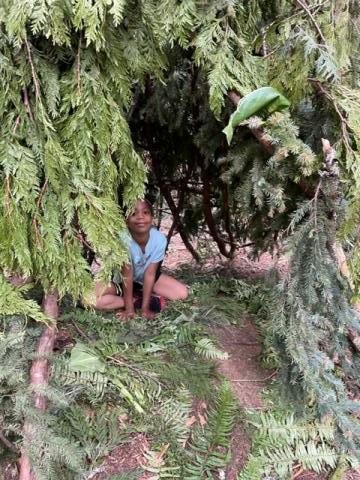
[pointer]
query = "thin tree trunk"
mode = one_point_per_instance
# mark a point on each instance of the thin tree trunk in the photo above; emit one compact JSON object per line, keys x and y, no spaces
{"x":39,"y":376}
{"x":180,"y":205}
{"x":209,"y":218}
{"x":227,"y":220}
{"x":177,"y":219}
{"x":174,"y":211}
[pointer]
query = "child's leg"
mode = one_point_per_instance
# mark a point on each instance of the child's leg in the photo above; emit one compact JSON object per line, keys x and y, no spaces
{"x":107,"y":298}
{"x":170,"y":288}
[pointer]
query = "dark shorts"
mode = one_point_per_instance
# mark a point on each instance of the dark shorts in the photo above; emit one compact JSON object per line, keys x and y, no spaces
{"x":137,"y":287}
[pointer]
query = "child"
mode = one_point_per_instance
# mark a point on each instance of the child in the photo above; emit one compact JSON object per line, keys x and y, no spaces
{"x":147,"y":249}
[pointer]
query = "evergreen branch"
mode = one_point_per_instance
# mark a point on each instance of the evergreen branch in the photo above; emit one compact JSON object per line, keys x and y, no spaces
{"x":33,"y":72}
{"x":8,"y":195}
{"x":305,"y":7}
{"x":344,"y":125}
{"x":78,"y":67}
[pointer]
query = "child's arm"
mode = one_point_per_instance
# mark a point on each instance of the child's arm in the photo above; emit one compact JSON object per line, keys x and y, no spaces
{"x":127,"y":275}
{"x":149,"y":280}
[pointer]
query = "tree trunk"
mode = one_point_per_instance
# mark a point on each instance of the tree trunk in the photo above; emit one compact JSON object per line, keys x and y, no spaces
{"x":209,"y":216}
{"x":39,"y":375}
{"x":165,"y":190}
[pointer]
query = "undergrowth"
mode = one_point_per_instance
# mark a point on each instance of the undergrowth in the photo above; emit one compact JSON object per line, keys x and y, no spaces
{"x":125,"y":378}
{"x":113,"y":380}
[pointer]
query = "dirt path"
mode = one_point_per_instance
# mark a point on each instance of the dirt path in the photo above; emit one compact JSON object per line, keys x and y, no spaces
{"x":247,"y":378}
{"x":242,"y":368}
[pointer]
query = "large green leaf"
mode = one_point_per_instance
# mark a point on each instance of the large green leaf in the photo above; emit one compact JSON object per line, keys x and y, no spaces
{"x":82,"y":359}
{"x":253,"y":103}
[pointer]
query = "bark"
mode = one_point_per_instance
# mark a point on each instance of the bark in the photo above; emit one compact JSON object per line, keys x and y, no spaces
{"x":209,"y":216}
{"x":39,"y":376}
{"x":227,"y":220}
{"x":180,"y":204}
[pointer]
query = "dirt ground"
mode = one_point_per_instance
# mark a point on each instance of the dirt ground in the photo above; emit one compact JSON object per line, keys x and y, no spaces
{"x":247,"y":378}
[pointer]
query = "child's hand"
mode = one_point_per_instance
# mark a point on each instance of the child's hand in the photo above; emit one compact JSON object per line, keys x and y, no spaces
{"x":125,"y":314}
{"x":148,"y":314}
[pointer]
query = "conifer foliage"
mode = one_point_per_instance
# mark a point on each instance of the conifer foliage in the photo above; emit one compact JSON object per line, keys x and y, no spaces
{"x":81,"y":79}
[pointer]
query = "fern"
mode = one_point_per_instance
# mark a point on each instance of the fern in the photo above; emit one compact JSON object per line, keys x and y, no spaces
{"x":281,"y":442}
{"x":156,"y":465}
{"x":210,"y":447}
{"x":207,"y":349}
{"x":97,"y":431}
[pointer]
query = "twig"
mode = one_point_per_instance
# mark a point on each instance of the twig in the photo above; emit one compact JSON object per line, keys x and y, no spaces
{"x":27,"y":104}
{"x":95,"y":472}
{"x":78,"y":67}
{"x":305,"y":7}
{"x":16,"y":124}
{"x":42,"y":192}
{"x":254,"y":381}
{"x":298,"y":473}
{"x":36,"y":81}
{"x":80,"y":332}
{"x":121,"y":363}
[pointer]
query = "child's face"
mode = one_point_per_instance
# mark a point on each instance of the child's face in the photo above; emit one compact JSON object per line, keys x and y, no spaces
{"x":140,"y":221}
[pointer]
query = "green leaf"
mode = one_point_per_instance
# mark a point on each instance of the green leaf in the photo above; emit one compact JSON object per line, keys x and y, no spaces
{"x":255,"y":102}
{"x":84,"y":360}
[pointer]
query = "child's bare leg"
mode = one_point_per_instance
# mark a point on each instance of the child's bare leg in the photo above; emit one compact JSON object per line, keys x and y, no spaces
{"x":106,"y":297}
{"x":170,"y":288}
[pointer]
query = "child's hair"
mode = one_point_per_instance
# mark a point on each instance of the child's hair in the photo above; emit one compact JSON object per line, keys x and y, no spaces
{"x":148,"y":204}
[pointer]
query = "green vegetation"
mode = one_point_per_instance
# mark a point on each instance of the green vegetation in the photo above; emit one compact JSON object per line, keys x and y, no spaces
{"x":96,"y":95}
{"x":113,"y":380}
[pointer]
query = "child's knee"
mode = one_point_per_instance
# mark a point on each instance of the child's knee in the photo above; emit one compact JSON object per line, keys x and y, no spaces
{"x":183,"y":292}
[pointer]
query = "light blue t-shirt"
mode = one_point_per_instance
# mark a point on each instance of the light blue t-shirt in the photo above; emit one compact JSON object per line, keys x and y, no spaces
{"x":154,"y":253}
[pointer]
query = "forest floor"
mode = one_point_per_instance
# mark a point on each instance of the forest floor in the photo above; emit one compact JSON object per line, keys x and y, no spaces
{"x":242,"y":368}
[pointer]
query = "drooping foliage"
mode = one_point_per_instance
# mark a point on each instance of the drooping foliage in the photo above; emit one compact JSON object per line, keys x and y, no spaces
{"x":82,"y":80}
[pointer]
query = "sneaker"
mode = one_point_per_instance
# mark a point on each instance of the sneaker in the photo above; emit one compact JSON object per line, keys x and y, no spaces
{"x":157,"y":303}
